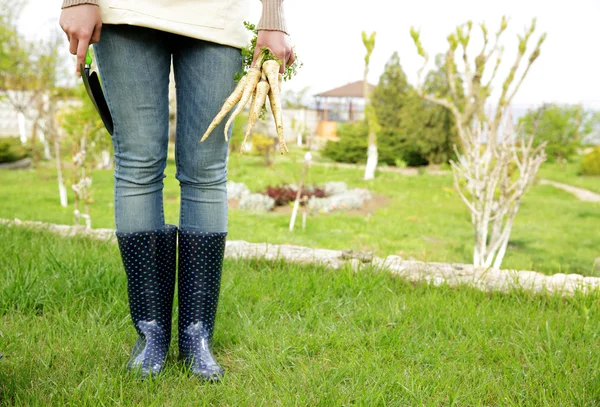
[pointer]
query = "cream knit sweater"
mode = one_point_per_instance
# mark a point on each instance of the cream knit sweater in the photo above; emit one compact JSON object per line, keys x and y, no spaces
{"x":272,"y":17}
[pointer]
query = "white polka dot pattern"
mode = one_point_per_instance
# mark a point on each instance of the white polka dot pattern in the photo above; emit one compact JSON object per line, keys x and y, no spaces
{"x":149,"y":258}
{"x":200,"y":265}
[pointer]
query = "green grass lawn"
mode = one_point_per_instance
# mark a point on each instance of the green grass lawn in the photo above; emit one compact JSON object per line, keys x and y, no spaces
{"x":568,"y":173}
{"x":424,"y":218}
{"x":289,"y":335}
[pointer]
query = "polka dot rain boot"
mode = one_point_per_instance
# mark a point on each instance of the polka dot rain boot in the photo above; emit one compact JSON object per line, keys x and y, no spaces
{"x":200,"y":263}
{"x":150,"y":264}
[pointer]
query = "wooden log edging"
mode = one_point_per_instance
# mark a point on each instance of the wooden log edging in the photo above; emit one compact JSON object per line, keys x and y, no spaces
{"x":452,"y":274}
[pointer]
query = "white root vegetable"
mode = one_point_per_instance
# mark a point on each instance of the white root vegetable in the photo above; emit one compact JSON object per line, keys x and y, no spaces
{"x":253,"y":76}
{"x":252,"y":88}
{"x":230,"y":102}
{"x":272,"y":97}
{"x":262,"y":90}
{"x":271,"y":70}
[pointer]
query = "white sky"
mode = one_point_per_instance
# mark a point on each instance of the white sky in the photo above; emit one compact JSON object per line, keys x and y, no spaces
{"x":327,"y":35}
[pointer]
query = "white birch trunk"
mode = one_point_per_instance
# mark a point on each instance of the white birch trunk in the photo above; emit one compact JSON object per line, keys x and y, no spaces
{"x":369,"y":113}
{"x":62,"y":189}
{"x":47,"y":154}
{"x":372,"y":157}
{"x":21,"y":124}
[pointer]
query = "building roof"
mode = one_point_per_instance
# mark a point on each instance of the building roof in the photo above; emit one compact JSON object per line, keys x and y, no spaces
{"x":352,"y":90}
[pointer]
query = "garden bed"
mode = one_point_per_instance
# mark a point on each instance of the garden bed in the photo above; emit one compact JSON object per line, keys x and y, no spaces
{"x":368,"y":208}
{"x":332,"y":197}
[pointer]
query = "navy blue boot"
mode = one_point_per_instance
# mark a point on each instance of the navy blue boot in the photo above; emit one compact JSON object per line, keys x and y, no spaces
{"x":150,"y":263}
{"x":200,"y":263}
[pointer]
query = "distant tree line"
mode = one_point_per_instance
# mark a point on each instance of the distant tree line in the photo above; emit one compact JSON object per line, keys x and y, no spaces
{"x":412,"y":131}
{"x":416,"y":132}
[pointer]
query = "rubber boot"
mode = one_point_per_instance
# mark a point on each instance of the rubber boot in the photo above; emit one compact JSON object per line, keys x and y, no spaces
{"x":200,"y":265}
{"x":150,"y":264}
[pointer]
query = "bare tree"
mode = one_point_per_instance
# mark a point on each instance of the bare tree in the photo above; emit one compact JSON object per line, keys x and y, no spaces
{"x":495,"y":163}
{"x":16,"y":70}
{"x":89,"y":139}
{"x":82,"y":177}
{"x":28,"y":83}
{"x":46,"y":62}
{"x":491,"y":181}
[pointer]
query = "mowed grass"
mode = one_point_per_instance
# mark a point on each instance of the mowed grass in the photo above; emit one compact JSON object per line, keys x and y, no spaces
{"x":569,"y":173}
{"x":423,"y":218}
{"x":289,"y":335}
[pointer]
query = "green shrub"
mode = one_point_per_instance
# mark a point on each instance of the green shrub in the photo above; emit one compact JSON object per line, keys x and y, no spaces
{"x":352,"y":145}
{"x":563,"y":127}
{"x":263,"y":145}
{"x":590,"y":165}
{"x":400,"y":163}
{"x":392,"y":148}
{"x":412,"y":129}
{"x":12,"y":150}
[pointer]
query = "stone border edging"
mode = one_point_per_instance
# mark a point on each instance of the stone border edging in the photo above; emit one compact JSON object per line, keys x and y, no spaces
{"x":16,"y":165}
{"x":453,"y":274}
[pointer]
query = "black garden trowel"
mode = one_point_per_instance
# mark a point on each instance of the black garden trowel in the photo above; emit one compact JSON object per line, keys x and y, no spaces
{"x":94,"y":91}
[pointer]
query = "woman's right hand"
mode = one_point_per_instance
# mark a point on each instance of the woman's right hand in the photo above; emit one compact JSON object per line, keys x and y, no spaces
{"x":82,"y":24}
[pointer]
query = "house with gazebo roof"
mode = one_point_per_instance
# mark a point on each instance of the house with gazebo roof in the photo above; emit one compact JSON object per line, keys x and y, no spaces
{"x":342,"y":104}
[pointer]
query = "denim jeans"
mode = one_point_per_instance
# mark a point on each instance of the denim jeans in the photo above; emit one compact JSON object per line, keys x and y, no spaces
{"x":134,"y":64}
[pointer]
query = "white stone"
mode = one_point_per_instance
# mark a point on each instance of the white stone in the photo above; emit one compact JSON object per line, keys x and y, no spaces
{"x":237,"y":190}
{"x":334,"y":188}
{"x":257,"y":203}
{"x":454,"y":274}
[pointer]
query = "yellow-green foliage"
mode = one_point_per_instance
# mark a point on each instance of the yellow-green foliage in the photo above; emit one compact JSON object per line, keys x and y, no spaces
{"x":11,"y":149}
{"x":369,"y":42}
{"x":591,"y":162}
{"x":262,"y":144}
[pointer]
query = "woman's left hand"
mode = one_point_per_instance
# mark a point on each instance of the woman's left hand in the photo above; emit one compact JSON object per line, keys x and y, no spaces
{"x":279,"y":44}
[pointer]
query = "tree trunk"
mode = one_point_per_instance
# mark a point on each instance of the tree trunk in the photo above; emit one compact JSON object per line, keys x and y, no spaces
{"x":84,"y":178}
{"x":62,"y":189}
{"x":75,"y":186}
{"x":47,"y":154}
{"x":34,"y":151}
{"x":21,"y":122}
{"x":372,"y":157}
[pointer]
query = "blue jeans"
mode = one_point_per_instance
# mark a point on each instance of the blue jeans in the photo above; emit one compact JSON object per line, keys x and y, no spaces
{"x":134,"y":64}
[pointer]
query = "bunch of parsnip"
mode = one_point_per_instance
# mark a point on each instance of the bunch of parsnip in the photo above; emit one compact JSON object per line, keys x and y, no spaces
{"x":256,"y":84}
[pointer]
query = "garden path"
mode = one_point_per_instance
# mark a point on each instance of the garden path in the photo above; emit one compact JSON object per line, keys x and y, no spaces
{"x":581,"y":193}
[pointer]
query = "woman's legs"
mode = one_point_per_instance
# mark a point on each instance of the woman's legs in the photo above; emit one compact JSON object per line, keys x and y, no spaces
{"x":134,"y":64}
{"x":204,"y":78}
